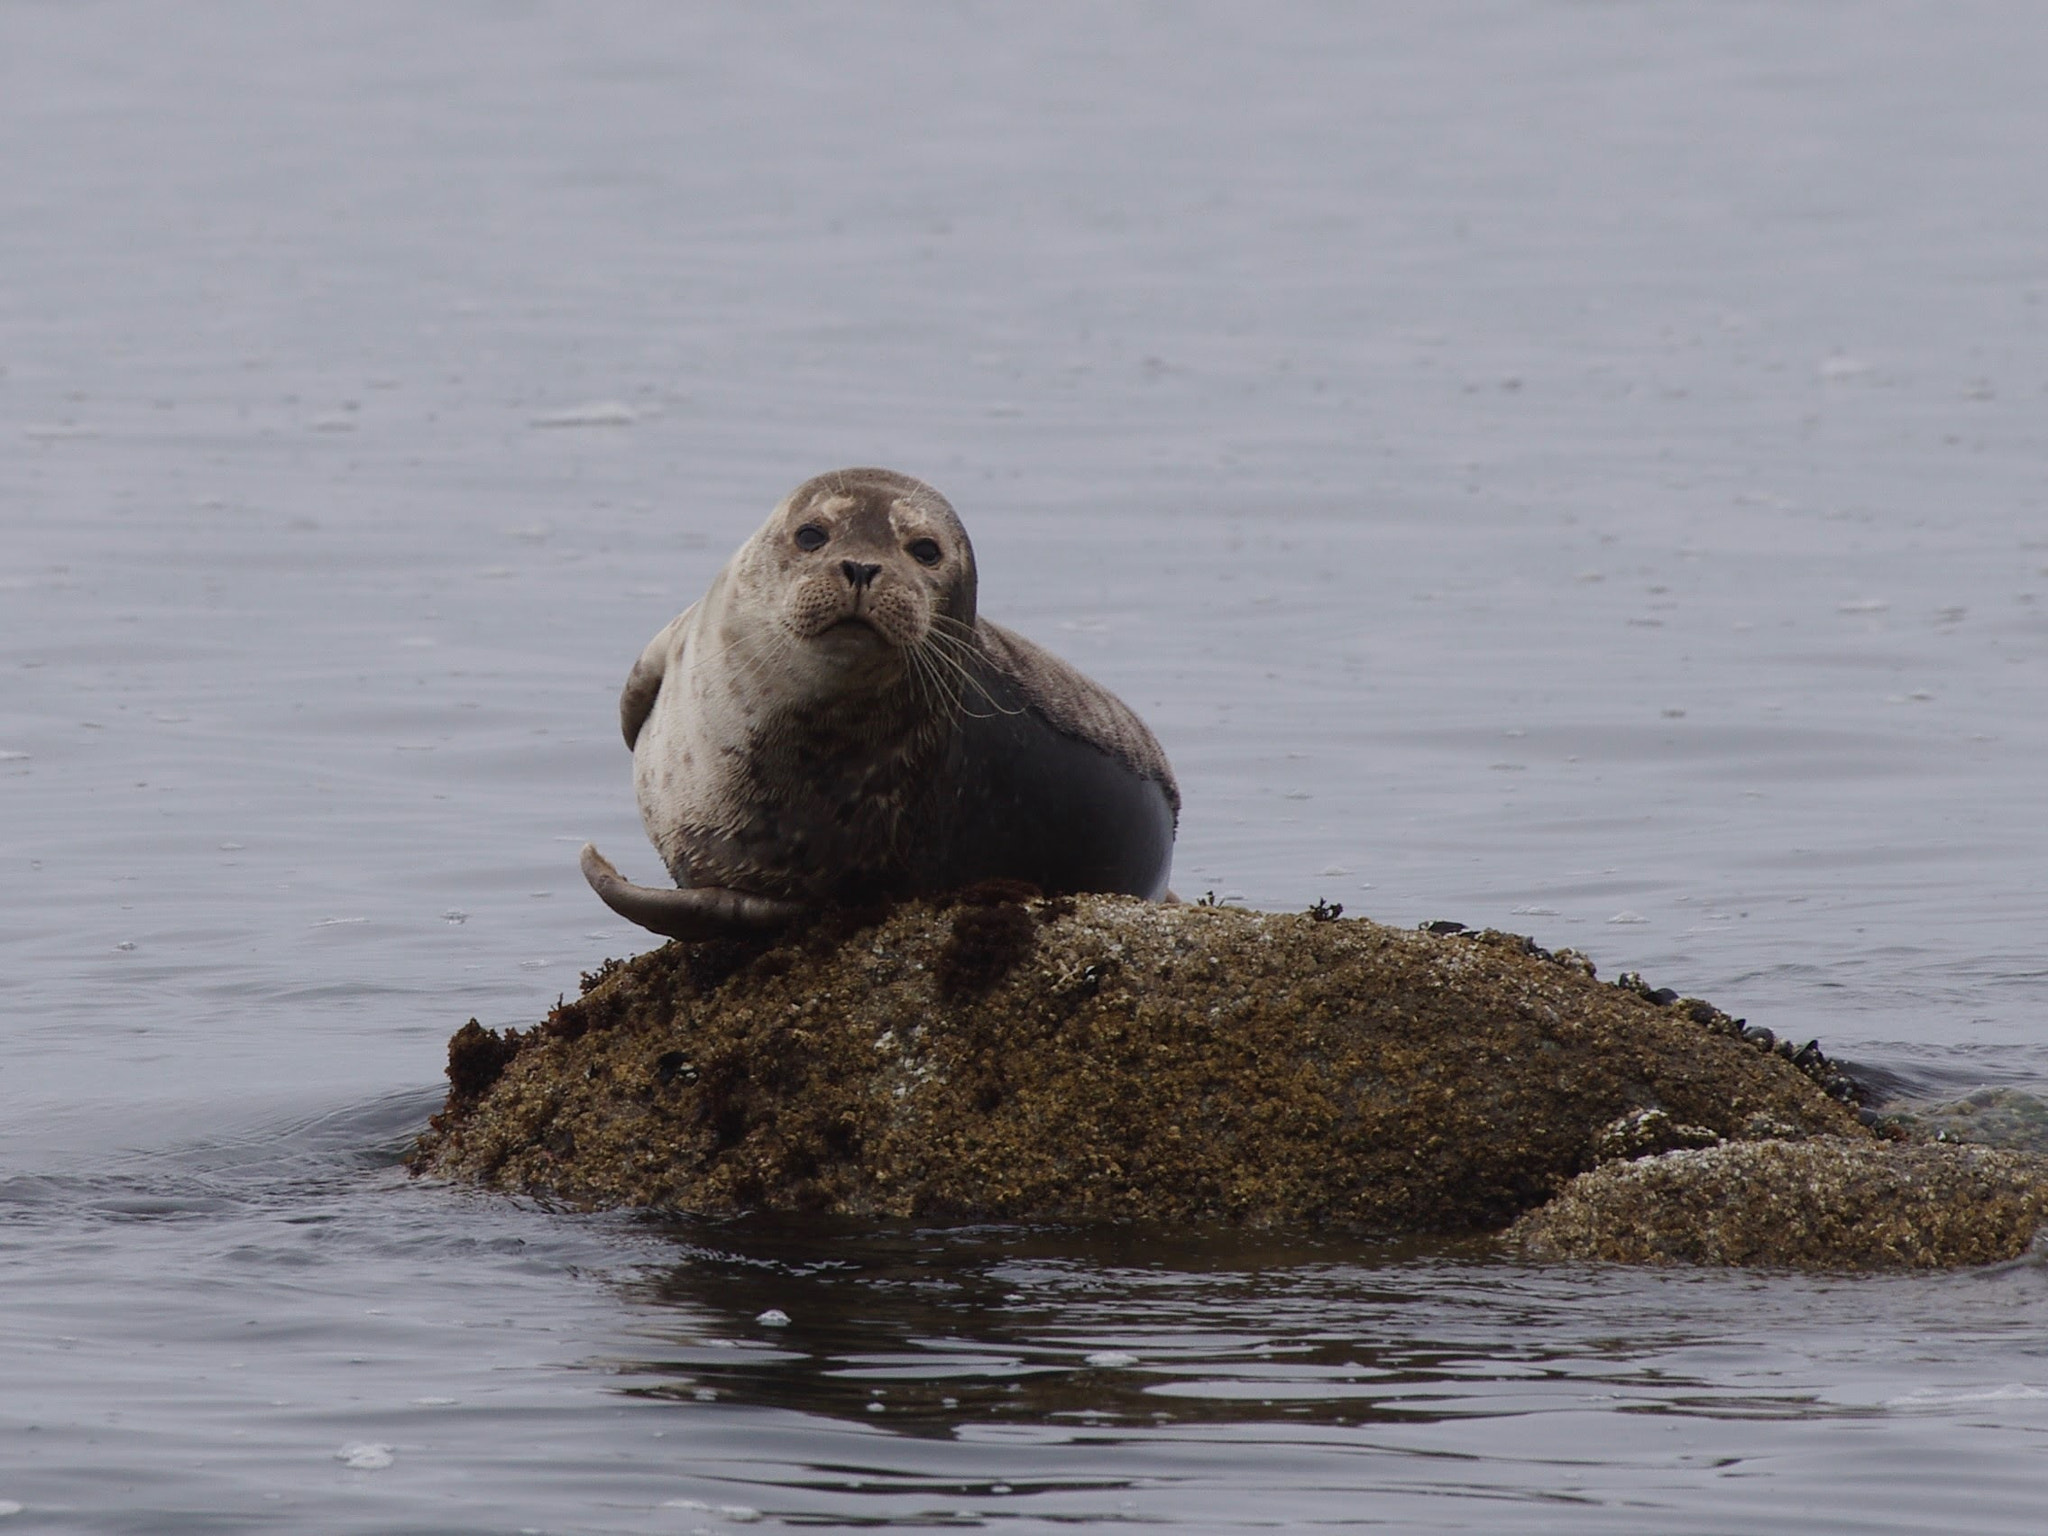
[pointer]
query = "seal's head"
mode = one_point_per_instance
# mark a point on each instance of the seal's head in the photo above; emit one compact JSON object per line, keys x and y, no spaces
{"x":869,"y":571}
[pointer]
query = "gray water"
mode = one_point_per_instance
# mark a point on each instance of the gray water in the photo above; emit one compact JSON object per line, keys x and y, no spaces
{"x":1576,"y":468}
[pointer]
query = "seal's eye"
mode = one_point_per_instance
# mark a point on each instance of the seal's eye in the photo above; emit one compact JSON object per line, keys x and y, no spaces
{"x":925,"y":551}
{"x":810,"y":537}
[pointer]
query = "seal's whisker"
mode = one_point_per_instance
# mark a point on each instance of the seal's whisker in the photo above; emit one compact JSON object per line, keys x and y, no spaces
{"x":959,"y":655}
{"x":959,"y":703}
{"x":933,"y":686}
{"x":748,"y":665}
{"x":948,"y":663}
{"x":949,"y":671}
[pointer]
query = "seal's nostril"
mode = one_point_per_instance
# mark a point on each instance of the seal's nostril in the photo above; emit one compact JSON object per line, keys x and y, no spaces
{"x":858,"y":574}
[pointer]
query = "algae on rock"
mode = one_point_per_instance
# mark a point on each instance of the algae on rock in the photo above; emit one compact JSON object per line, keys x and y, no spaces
{"x":1101,"y":1057}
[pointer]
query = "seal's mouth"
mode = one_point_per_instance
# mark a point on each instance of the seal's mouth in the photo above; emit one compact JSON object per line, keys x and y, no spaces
{"x":854,"y":629}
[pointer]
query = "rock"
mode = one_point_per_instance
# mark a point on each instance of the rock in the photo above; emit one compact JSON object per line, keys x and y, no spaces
{"x":1101,"y":1057}
{"x":1643,"y":1133}
{"x":1818,"y":1204}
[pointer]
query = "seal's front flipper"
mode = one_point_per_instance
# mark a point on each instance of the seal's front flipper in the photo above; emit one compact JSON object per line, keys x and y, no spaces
{"x":693,"y":913}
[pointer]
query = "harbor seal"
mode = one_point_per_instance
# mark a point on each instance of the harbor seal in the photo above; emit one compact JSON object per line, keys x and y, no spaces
{"x":833,"y":721}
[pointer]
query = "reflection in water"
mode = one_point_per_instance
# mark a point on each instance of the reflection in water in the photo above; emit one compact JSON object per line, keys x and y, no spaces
{"x":1086,"y":1374}
{"x":929,"y":1330}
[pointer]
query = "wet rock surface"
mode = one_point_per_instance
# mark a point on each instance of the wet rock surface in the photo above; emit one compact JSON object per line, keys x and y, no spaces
{"x":1818,"y":1204}
{"x":1102,"y":1058}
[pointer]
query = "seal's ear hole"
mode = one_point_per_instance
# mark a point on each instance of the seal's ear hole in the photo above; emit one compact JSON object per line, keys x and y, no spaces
{"x":925,"y":551}
{"x":810,"y":537}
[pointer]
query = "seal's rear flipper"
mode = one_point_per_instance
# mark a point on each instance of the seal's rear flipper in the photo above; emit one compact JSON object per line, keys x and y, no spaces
{"x":693,"y":913}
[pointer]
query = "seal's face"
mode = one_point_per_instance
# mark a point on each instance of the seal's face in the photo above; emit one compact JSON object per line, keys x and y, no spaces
{"x":873,"y":572}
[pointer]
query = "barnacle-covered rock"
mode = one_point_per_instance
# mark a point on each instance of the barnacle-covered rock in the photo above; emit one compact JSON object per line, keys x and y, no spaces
{"x":1815,"y":1204}
{"x":1101,"y":1057}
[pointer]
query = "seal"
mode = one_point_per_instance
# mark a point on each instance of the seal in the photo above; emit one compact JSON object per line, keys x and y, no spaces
{"x":833,"y":721}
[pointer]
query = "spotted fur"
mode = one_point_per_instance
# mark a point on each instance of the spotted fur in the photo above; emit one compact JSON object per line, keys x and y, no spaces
{"x":833,"y":719}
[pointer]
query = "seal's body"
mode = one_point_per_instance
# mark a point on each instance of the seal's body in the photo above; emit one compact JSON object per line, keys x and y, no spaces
{"x":833,"y":720}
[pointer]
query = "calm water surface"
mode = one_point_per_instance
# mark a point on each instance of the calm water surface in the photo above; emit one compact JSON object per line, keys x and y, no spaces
{"x":1572,"y":468}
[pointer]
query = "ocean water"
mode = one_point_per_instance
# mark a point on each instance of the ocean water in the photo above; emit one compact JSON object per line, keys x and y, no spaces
{"x":1574,"y":468}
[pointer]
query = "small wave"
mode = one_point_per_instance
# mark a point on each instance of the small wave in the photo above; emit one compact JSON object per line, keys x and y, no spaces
{"x":2008,"y":1392}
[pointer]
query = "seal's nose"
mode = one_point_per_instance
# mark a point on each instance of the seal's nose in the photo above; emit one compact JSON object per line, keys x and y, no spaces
{"x":858,"y":576}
